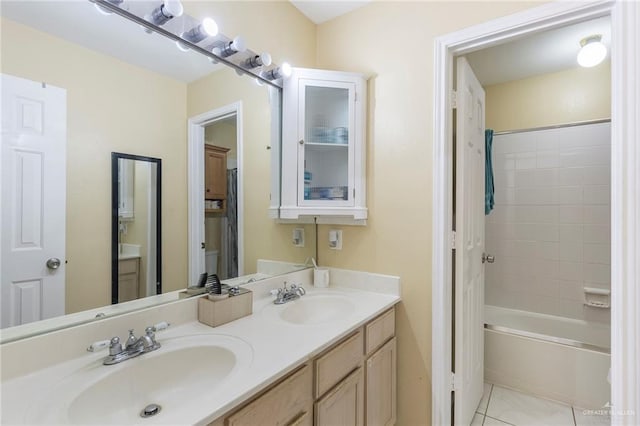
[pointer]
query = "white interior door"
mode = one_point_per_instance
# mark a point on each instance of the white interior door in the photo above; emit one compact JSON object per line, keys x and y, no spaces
{"x":33,"y":184}
{"x":469,"y":222}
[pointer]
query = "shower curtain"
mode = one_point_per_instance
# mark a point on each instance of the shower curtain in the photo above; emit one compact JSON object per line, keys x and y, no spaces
{"x":488,"y":172}
{"x":230,"y":227}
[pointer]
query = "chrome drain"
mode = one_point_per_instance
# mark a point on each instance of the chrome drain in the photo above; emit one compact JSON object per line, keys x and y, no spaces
{"x":150,"y":410}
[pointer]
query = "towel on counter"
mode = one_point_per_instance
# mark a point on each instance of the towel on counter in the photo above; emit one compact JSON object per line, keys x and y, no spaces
{"x":488,"y":172}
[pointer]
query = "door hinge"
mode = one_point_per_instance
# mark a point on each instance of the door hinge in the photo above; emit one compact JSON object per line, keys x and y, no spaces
{"x":354,"y":193}
{"x":453,"y":239}
{"x":454,"y":99}
{"x":455,"y":382}
{"x":355,"y":96}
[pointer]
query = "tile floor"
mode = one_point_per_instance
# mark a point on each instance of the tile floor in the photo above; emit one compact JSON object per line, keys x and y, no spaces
{"x":501,"y":406}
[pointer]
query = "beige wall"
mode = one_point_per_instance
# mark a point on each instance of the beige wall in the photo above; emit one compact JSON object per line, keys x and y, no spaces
{"x":111,"y":106}
{"x":223,"y":133}
{"x":393,"y":42}
{"x":567,"y":96}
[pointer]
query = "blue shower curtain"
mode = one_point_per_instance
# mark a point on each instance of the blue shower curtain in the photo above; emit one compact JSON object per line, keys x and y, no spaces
{"x":230,"y":242}
{"x":488,"y":172}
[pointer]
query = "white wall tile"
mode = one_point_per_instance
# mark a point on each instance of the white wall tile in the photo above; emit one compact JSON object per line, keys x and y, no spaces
{"x":570,"y":176}
{"x":599,"y":215}
{"x":570,"y":214}
{"x":570,"y":232}
{"x":597,"y":253}
{"x":570,"y":251}
{"x":597,"y":194}
{"x":570,"y":271}
{"x":525,"y":160}
{"x":597,"y":234}
{"x":597,"y":273}
{"x":550,"y":228}
{"x":568,"y":195}
{"x":597,"y":175}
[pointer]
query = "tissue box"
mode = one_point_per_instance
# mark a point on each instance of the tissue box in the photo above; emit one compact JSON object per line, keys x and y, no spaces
{"x":217,"y":312}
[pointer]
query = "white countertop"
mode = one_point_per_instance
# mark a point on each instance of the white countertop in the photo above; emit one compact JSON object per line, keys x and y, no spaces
{"x":278,"y":347}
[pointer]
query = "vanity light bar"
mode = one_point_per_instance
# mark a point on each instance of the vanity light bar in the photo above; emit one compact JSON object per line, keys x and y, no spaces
{"x":274,"y":74}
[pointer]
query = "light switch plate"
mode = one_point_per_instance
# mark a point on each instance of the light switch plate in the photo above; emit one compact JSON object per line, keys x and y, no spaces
{"x":298,"y":237}
{"x":335,"y":239}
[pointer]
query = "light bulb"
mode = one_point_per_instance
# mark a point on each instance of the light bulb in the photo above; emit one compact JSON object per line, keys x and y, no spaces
{"x":285,"y":69}
{"x":168,"y":10}
{"x":210,"y":27}
{"x":258,"y":61}
{"x":207,"y":28}
{"x":593,"y":51}
{"x":230,"y":48}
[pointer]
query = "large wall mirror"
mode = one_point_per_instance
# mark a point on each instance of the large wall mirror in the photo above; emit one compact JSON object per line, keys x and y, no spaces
{"x":117,"y":89}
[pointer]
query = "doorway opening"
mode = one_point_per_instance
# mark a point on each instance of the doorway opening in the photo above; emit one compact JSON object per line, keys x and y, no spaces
{"x":216,"y":228}
{"x":448,"y":376}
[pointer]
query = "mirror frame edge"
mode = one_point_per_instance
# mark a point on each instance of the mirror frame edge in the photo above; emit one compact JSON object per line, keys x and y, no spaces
{"x":115,"y":156}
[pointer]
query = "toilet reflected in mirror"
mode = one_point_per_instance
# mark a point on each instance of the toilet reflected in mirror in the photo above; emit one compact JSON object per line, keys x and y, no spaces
{"x":135,"y":227}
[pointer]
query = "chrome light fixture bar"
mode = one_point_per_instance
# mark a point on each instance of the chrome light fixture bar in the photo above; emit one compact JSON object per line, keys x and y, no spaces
{"x":109,"y":6}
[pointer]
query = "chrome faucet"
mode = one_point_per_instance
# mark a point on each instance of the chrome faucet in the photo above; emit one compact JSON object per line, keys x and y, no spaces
{"x":284,"y":294}
{"x":134,"y":347}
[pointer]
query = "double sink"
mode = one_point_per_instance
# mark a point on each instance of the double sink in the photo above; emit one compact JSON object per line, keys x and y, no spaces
{"x":172,"y":377}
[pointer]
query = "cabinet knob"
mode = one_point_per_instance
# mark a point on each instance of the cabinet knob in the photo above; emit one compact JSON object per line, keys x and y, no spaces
{"x":301,"y":142}
{"x":207,"y":190}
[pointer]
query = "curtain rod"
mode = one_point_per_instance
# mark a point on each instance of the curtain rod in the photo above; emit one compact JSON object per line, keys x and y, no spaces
{"x":557,"y":126}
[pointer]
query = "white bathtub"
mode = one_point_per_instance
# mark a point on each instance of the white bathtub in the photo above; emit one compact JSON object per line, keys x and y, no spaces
{"x":554,"y":357}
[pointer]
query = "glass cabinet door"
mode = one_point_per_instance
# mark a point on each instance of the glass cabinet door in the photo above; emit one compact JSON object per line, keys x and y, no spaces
{"x":326,"y":145}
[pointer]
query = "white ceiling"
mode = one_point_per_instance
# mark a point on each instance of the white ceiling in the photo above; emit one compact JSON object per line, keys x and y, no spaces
{"x":323,"y":11}
{"x":80,"y":23}
{"x":542,"y":53}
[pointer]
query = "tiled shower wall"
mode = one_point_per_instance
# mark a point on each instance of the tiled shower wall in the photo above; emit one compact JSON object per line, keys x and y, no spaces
{"x":550,"y":228}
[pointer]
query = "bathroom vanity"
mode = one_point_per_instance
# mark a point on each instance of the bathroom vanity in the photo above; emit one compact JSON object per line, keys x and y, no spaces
{"x":326,"y":358}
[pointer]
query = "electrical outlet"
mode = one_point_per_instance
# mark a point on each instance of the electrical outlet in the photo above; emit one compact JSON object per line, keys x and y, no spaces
{"x":335,"y":239}
{"x":298,"y":237}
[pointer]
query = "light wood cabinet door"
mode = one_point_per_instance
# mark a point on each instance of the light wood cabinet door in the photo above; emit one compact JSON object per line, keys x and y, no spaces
{"x":344,"y":404}
{"x":381,"y":386}
{"x":285,"y":404}
{"x":215,"y":172}
{"x":128,"y":279}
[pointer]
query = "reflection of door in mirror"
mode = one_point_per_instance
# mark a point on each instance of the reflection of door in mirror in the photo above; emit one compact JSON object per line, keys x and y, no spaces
{"x":136,"y":199}
{"x":221,"y":192}
{"x":33,"y":200}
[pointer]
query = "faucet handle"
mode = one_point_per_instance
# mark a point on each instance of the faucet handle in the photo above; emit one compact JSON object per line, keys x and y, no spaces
{"x":163,"y":325}
{"x":96,"y":346}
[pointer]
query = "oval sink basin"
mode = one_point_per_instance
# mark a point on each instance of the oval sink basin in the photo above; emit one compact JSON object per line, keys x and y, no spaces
{"x":313,"y":309}
{"x":171,"y":377}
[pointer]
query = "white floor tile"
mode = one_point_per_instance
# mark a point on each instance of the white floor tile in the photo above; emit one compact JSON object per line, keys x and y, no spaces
{"x":489,"y":421}
{"x":477,"y":419}
{"x":482,"y":407}
{"x":586,"y":418}
{"x":524,"y":410}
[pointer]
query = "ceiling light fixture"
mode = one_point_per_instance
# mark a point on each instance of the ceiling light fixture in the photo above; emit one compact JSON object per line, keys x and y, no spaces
{"x":593,"y":51}
{"x":207,"y":28}
{"x":168,"y":10}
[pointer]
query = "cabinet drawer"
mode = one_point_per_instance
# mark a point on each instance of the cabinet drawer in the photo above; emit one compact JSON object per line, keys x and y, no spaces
{"x":129,"y":266}
{"x":334,"y":365}
{"x":380,"y":330}
{"x":283,"y":404}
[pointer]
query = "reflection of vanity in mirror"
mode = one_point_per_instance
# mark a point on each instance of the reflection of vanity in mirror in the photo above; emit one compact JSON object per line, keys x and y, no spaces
{"x":134,"y":93}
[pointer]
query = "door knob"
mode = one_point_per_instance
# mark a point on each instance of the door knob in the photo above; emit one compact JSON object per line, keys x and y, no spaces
{"x":488,"y":258}
{"x":301,"y":141}
{"x":53,"y":263}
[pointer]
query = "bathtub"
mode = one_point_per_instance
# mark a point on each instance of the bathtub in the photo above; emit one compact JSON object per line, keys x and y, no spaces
{"x":553,"y":357}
